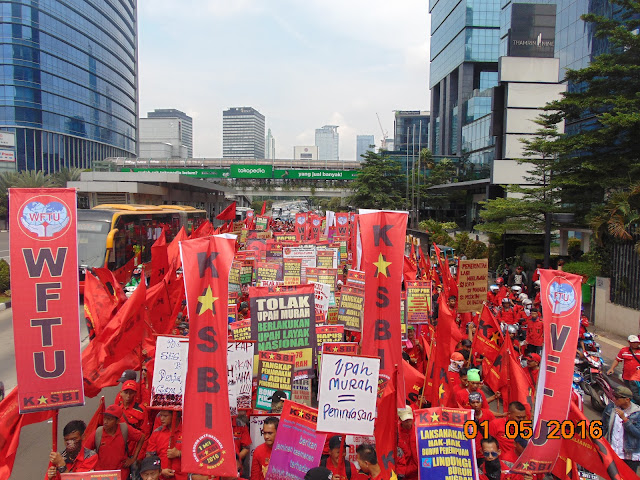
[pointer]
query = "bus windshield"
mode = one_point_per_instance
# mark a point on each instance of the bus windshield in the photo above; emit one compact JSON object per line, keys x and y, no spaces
{"x":92,"y":240}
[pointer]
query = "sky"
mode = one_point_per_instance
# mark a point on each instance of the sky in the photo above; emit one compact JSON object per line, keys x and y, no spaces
{"x":301,"y":63}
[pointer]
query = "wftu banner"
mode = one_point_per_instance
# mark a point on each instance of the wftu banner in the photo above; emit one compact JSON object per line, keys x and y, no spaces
{"x":444,"y":451}
{"x":561,"y":296}
{"x":207,"y":434}
{"x":44,"y":275}
{"x":383,"y":236}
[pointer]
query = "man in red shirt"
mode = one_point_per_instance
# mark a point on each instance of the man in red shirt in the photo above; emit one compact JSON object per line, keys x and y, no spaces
{"x":533,"y":367}
{"x":474,"y":382}
{"x":242,"y":438}
{"x":109,"y":442}
{"x":134,"y":413}
{"x":75,"y":457}
{"x":262,"y":453}
{"x":159,"y":445}
{"x":506,"y":313}
{"x":368,"y":462}
{"x":416,"y":352}
{"x":497,"y":429}
{"x":493,"y":466}
{"x":630,"y":356}
{"x":340,"y":467}
{"x":535,"y":333}
{"x":409,"y":461}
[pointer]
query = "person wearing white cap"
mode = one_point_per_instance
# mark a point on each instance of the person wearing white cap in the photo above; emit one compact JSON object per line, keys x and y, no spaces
{"x":630,"y":358}
{"x":408,"y":461}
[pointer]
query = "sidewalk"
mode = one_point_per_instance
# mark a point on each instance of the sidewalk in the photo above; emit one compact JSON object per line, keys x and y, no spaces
{"x":610,"y":344}
{"x":5,"y":306}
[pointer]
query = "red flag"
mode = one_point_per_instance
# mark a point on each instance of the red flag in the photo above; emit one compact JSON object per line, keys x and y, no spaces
{"x":173,"y":249}
{"x":561,"y":296}
{"x":123,"y":274}
{"x":207,"y":434}
{"x":117,"y":346}
{"x":264,"y":208}
{"x":488,"y":336}
{"x":410,"y":270}
{"x":446,"y":338}
{"x":519,"y":387}
{"x":385,"y":427}
{"x":96,"y":420}
{"x":497,"y":370}
{"x":205,"y":229}
{"x":11,"y":422}
{"x":228,"y":213}
{"x":159,"y":259}
{"x":383,"y":236}
{"x":165,"y":301}
{"x":425,"y":265}
{"x":413,"y":382}
{"x":101,"y":301}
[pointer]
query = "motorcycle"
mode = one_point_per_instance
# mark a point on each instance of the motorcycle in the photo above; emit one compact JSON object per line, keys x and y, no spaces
{"x":588,"y":365}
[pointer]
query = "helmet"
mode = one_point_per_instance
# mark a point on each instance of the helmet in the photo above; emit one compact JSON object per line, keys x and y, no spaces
{"x":512,"y":329}
{"x":499,"y":280}
{"x":516,"y":289}
{"x":523,"y":296}
{"x":494,"y":288}
{"x":536,"y":284}
{"x":527,"y":301}
{"x":505,"y":300}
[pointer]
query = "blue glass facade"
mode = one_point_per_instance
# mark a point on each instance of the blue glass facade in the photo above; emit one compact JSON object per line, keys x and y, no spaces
{"x":68,"y":80}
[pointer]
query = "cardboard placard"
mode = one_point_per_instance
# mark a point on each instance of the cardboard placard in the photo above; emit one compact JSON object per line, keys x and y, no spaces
{"x":472,"y":284}
{"x":169,"y":372}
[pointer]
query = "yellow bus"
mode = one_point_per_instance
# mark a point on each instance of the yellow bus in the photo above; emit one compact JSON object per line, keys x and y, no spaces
{"x":110,"y":235}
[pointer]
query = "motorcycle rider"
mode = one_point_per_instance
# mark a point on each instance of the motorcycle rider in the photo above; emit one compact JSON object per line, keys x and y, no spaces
{"x":630,"y":356}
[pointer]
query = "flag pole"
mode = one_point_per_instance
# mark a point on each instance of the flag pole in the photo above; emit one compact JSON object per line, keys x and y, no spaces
{"x":427,"y":371}
{"x":54,"y":431}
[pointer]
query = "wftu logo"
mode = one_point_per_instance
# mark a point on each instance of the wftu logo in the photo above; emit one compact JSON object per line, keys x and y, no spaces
{"x":301,"y":220}
{"x":342,"y":220}
{"x":44,"y":218}
{"x":562,"y":296}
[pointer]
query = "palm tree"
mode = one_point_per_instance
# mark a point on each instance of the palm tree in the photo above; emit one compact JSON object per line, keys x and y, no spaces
{"x":621,"y":216}
{"x":65,"y":175}
{"x":32,"y":179}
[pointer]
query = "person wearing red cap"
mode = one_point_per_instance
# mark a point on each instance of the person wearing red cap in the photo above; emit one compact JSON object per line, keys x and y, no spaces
{"x":159,"y":445}
{"x":111,"y":442}
{"x":134,"y":413}
{"x":533,"y":367}
{"x":535,"y":332}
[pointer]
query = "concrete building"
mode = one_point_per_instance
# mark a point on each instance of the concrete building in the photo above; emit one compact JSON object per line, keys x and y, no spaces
{"x":243,"y":133}
{"x":411,"y":131}
{"x":328,"y":142}
{"x":70,"y":83}
{"x":305,"y":152}
{"x":185,"y":125}
{"x":162,"y":138}
{"x":364,"y":143}
{"x":270,"y":146}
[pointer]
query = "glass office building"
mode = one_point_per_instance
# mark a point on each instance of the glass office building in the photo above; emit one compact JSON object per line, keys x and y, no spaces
{"x":464,"y":65}
{"x":68,"y":81}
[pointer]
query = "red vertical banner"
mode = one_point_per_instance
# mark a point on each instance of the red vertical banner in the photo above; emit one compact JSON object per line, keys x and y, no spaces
{"x":561,"y":297}
{"x":342,"y":224}
{"x":383,"y":235}
{"x":301,"y":227}
{"x":207,"y":434}
{"x":44,"y":273}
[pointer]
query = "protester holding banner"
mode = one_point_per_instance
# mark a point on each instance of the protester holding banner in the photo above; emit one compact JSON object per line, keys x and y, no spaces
{"x":340,"y":467}
{"x":408,"y":459}
{"x":166,"y":443}
{"x":75,"y":457}
{"x":262,"y":453}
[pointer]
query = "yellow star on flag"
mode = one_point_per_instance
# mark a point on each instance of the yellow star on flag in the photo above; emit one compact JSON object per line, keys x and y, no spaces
{"x":206,"y":302}
{"x":301,"y":413}
{"x":42,"y":400}
{"x":435,"y":417}
{"x":382,"y":266}
{"x":441,"y":391}
{"x":525,"y":466}
{"x":495,"y":337}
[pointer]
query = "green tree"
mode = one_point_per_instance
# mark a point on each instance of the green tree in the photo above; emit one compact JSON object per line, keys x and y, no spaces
{"x":60,"y":179}
{"x":620,"y":217}
{"x":596,"y":161}
{"x":380,"y":184}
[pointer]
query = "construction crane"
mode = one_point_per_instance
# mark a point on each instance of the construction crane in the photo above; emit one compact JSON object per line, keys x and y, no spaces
{"x":385,"y":135}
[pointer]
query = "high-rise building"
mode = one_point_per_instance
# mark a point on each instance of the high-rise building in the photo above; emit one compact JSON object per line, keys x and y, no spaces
{"x":411,"y":131}
{"x":328,"y":142}
{"x":161,"y":138}
{"x":243,"y":133}
{"x":464,"y":66}
{"x":364,"y":143}
{"x":71,"y":82}
{"x":270,"y":146}
{"x":305,"y":153}
{"x":184,"y":125}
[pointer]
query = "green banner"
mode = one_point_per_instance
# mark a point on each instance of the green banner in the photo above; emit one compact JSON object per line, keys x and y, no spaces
{"x":189,"y":172}
{"x":316,"y":174}
{"x":251,"y":171}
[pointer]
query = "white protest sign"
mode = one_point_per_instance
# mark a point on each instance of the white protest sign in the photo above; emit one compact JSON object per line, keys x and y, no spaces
{"x":322,"y":293}
{"x":169,"y":372}
{"x":347,"y":394}
{"x":239,"y":374}
{"x":308,"y":255}
{"x":255,"y":431}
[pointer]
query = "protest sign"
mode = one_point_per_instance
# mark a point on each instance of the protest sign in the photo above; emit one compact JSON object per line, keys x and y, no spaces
{"x":328,"y":276}
{"x":241,"y":329}
{"x":340,"y":348}
{"x":169,"y":372}
{"x":322,"y":292}
{"x":284,"y":237}
{"x":246,"y":272}
{"x":297,"y":447}
{"x":292,"y":271}
{"x":354,"y":441}
{"x":44,"y":276}
{"x":327,"y":257}
{"x":101,"y":475}
{"x":232,"y":312}
{"x":283,"y":320}
{"x":444,"y":450}
{"x":307,"y":254}
{"x":418,"y":301}
{"x":235,"y":285}
{"x":271,"y":271}
{"x":275,"y":372}
{"x":472,"y":284}
{"x":351,"y":308}
{"x":256,"y":421}
{"x":240,"y":375}
{"x":301,"y":392}
{"x":355,"y":278}
{"x":262,"y":222}
{"x":347,"y":394}
{"x":332,"y":315}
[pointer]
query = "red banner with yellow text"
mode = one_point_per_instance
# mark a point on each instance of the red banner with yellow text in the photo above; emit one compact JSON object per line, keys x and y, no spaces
{"x":44,"y":272}
{"x":207,"y":434}
{"x":561,"y":296}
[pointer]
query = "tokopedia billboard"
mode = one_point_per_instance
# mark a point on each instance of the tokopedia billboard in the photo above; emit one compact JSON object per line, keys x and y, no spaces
{"x":251,"y":171}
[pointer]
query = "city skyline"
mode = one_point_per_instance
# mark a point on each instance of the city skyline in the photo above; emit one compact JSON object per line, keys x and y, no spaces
{"x":355,"y":74}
